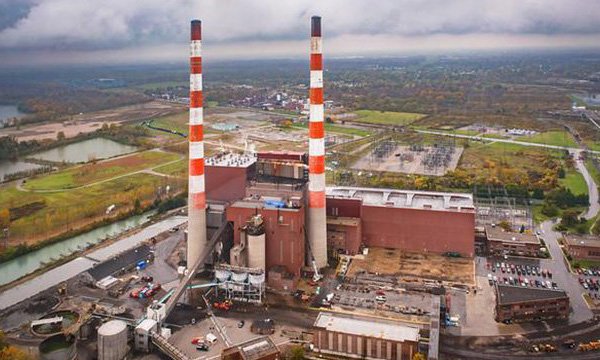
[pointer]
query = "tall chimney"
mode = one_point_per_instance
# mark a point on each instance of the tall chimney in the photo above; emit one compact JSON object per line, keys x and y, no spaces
{"x":196,"y":241}
{"x":317,"y":222}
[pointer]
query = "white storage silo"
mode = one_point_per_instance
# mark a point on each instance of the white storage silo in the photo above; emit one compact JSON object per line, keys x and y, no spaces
{"x":256,"y":243}
{"x":112,"y":340}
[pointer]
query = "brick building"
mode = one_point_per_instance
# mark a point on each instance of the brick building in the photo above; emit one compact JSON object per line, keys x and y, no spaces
{"x":585,"y":247}
{"x":365,"y":338}
{"x":501,"y":242}
{"x":261,"y":348}
{"x":282,"y":208}
{"x":417,"y":221}
{"x":515,"y":303}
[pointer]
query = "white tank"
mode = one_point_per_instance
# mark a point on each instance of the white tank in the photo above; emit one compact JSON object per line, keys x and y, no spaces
{"x":239,"y":277}
{"x":112,"y":340}
{"x":222,"y":275}
{"x":256,"y":279}
{"x":257,"y":251}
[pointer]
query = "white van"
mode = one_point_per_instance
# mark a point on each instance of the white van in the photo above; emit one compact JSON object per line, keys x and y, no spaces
{"x":210,"y":338}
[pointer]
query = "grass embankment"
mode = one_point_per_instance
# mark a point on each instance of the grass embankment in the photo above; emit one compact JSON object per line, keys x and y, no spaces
{"x":91,"y":173}
{"x":585,"y":264}
{"x":504,"y":156}
{"x":178,"y":122}
{"x":178,"y":168}
{"x":575,"y":182}
{"x":339,"y":129}
{"x":39,"y":216}
{"x":386,"y":117}
{"x":556,"y":138}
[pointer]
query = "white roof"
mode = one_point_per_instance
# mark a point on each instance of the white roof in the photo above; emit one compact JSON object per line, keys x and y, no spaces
{"x":146,"y":325}
{"x":367,"y":327}
{"x":412,"y":199}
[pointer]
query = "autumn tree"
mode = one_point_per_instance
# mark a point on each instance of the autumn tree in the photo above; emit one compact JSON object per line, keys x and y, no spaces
{"x":4,"y":218}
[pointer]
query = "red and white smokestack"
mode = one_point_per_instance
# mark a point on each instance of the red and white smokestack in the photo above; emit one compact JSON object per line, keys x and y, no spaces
{"x":196,"y":196}
{"x":317,"y":221}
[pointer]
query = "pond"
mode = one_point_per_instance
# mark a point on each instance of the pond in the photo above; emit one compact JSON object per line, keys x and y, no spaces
{"x":11,"y":167}
{"x":84,"y":151}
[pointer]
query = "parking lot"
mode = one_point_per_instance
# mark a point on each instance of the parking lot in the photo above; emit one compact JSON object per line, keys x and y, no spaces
{"x":479,"y":316}
{"x":519,"y":273}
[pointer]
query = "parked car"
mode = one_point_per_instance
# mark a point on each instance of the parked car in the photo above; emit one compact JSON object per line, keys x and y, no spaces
{"x":380,"y":298}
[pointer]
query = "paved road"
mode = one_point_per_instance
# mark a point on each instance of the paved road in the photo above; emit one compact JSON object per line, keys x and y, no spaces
{"x":591,"y":184}
{"x":159,"y":269}
{"x":566,"y":280}
{"x":564,"y":277}
{"x":75,"y":267}
{"x":592,"y":117}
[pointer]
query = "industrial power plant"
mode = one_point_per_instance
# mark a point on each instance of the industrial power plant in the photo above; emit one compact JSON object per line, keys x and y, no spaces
{"x":264,"y":229}
{"x":261,"y":220}
{"x":264,"y":184}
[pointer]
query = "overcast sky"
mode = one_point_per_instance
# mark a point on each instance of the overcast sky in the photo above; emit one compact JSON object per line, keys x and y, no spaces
{"x":126,"y":31}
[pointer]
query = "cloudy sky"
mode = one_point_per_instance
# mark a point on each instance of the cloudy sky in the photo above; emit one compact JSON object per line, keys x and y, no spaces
{"x":126,"y":31}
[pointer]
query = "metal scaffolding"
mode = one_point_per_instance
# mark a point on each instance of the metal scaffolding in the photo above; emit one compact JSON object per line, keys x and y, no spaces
{"x":439,"y":155}
{"x":240,"y":283}
{"x":494,"y":205}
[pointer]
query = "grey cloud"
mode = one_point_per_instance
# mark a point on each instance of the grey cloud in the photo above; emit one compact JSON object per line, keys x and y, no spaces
{"x":90,"y":25}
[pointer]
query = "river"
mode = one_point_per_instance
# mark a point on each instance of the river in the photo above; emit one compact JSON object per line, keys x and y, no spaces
{"x":25,"y":264}
{"x":84,"y":151}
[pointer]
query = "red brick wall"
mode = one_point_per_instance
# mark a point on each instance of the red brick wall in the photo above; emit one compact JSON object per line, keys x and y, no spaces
{"x":352,"y":236}
{"x":284,"y":240}
{"x":225,"y":183}
{"x":418,"y":230}
{"x":343,"y":207}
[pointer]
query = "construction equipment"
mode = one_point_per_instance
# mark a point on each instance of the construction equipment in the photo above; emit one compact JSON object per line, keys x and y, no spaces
{"x":590,"y":346}
{"x":223,"y":305}
{"x":316,"y":275}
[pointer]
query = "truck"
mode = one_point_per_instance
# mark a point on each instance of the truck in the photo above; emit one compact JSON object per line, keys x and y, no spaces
{"x":223,"y":305}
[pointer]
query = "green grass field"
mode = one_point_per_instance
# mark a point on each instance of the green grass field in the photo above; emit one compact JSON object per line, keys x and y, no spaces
{"x":176,"y":122}
{"x":91,"y":173}
{"x":557,"y":138}
{"x":340,"y":129}
{"x":575,"y":182}
{"x":178,"y":168}
{"x":592,"y":145}
{"x":66,"y":210}
{"x":387,"y":117}
{"x":518,"y":157}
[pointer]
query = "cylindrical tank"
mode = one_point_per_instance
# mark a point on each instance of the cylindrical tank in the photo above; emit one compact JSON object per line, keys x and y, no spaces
{"x":257,"y":251}
{"x":239,"y":277}
{"x":58,"y":347}
{"x":256,"y":280}
{"x":112,"y":340}
{"x":256,"y":243}
{"x":222,"y":275}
